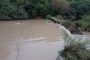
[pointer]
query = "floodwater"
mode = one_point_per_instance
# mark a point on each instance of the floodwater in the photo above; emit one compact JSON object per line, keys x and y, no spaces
{"x":86,"y":33}
{"x":30,"y":40}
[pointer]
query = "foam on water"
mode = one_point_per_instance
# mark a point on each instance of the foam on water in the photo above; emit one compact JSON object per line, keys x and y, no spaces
{"x":66,"y":32}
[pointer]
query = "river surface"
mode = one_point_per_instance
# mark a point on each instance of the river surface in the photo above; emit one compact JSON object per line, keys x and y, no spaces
{"x":30,"y":40}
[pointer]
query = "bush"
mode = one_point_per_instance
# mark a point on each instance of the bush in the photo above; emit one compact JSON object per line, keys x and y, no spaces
{"x":18,"y":14}
{"x":60,"y":6}
{"x":22,"y":9}
{"x":36,"y":8}
{"x":76,"y":49}
{"x":5,"y":8}
{"x":8,"y":10}
{"x":84,"y":23}
{"x":79,"y":8}
{"x":18,"y":9}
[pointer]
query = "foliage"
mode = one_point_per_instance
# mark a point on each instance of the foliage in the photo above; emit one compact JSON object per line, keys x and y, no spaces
{"x":79,"y":8}
{"x":76,"y":49}
{"x":60,"y":6}
{"x":9,"y":10}
{"x":84,"y":23}
{"x":38,"y":8}
{"x":23,"y":9}
{"x":5,"y":9}
{"x":18,"y":14}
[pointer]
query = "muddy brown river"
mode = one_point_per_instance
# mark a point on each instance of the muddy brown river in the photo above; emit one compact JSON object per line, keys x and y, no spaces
{"x":30,"y":40}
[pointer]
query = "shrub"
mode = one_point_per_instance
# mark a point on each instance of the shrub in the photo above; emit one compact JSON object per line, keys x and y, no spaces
{"x":86,"y":18}
{"x":36,"y":8}
{"x":5,"y":9}
{"x":8,"y":10}
{"x":60,"y":6}
{"x":84,"y":23}
{"x":18,"y":14}
{"x":76,"y":49}
{"x":79,"y":8}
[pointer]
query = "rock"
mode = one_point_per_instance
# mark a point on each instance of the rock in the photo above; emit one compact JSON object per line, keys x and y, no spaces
{"x":68,"y":25}
{"x":72,"y":28}
{"x":88,"y":29}
{"x":54,"y":20}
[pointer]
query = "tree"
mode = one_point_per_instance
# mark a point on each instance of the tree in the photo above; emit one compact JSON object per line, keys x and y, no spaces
{"x":79,"y":8}
{"x":60,"y":6}
{"x":8,"y":10}
{"x":38,"y":8}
